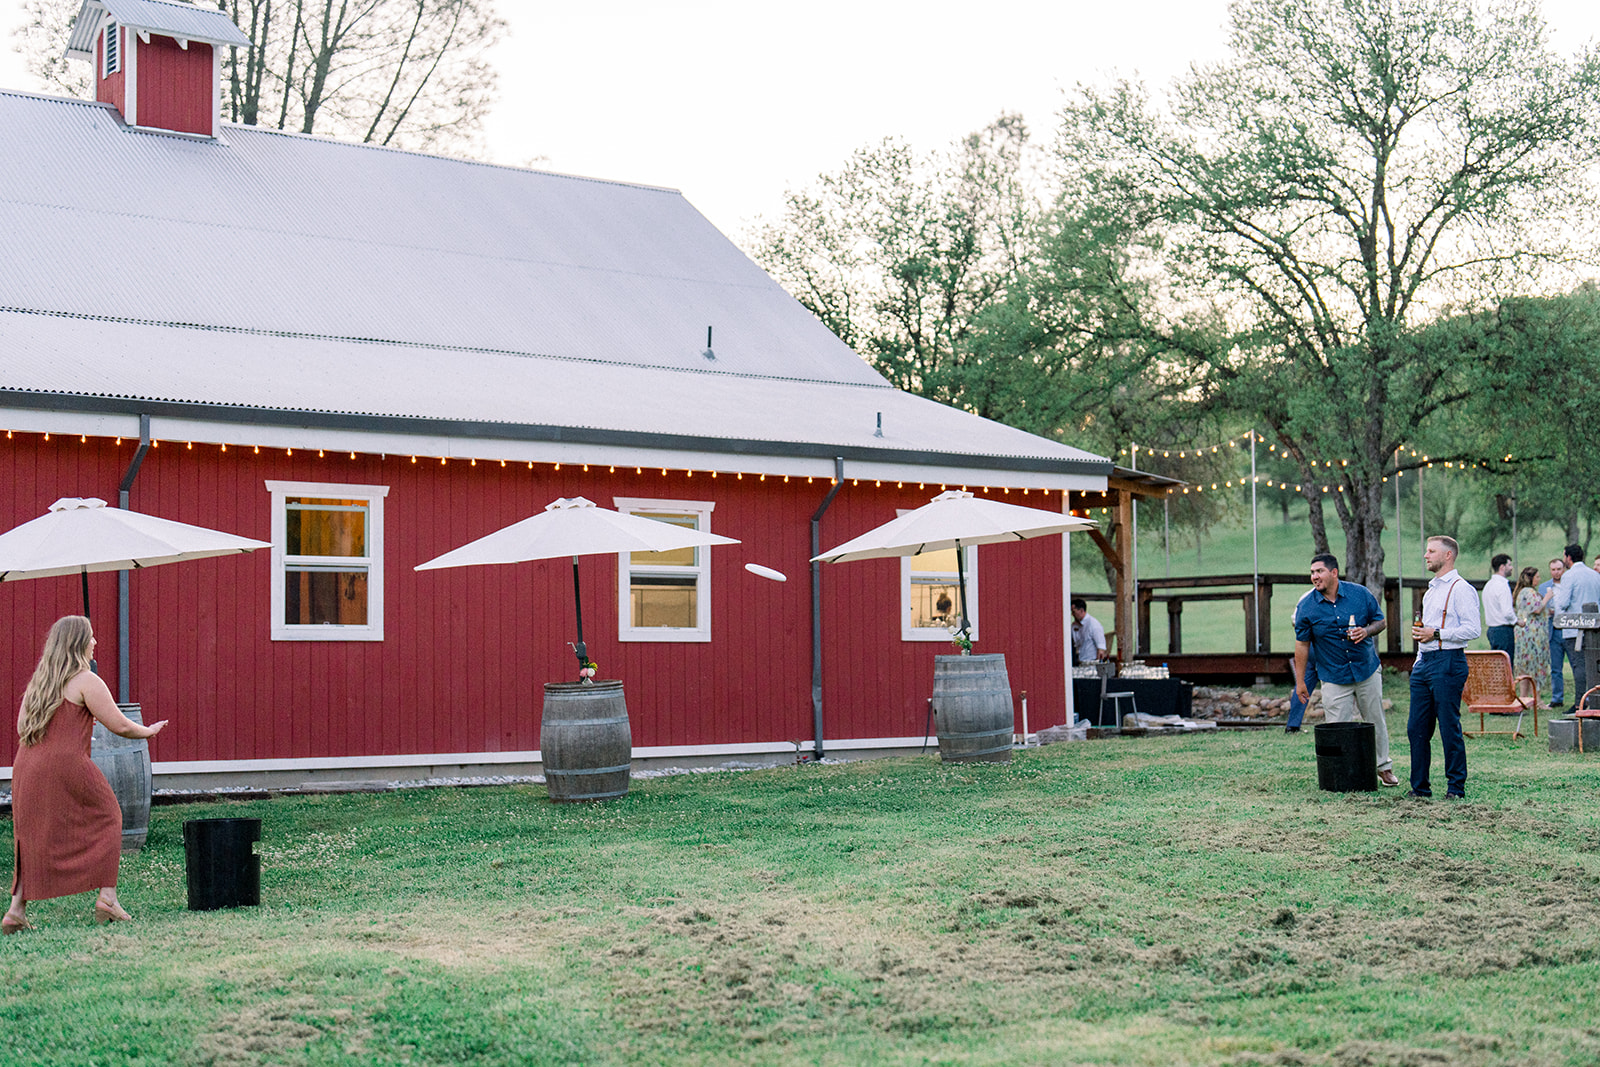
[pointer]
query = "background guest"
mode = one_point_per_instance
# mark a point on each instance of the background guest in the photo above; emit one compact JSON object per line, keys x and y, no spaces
{"x":1579,"y":586}
{"x":1558,"y":691}
{"x":1499,"y":613}
{"x":1533,"y":630}
{"x":1088,"y":636}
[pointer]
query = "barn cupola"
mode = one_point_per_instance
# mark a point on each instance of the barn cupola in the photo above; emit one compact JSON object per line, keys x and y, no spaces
{"x":158,"y":62}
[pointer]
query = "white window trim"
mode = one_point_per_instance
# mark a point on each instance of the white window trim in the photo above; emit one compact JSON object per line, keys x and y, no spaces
{"x":938,"y":633}
{"x":701,"y":632}
{"x":373,"y":495}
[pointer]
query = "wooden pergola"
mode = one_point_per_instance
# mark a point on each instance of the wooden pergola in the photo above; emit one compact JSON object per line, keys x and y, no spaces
{"x":1123,"y":487}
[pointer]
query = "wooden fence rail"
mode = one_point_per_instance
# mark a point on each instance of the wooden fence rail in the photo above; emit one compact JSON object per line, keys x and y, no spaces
{"x":1248,"y":589}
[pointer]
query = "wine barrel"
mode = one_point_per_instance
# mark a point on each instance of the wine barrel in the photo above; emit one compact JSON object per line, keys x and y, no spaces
{"x":585,"y":741}
{"x":972,"y":706}
{"x":126,"y":764}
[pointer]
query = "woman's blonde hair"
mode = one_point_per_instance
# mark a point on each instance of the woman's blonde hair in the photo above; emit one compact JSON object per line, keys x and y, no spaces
{"x":66,"y":655}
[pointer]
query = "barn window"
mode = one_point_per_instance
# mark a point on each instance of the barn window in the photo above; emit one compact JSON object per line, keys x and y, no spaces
{"x":327,"y":561}
{"x":930,"y":595}
{"x":665,"y":596}
{"x":113,"y":49}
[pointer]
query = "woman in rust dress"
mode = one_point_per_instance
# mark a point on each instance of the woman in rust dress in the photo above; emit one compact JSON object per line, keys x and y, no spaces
{"x":66,"y":824}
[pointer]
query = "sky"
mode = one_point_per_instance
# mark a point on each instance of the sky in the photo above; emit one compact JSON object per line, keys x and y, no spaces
{"x":736,"y":102}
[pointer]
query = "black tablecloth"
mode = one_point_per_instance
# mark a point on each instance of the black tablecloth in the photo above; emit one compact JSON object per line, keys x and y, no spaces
{"x":1155,"y":696}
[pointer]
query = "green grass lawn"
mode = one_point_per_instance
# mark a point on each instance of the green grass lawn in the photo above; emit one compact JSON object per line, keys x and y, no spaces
{"x":1162,"y":901}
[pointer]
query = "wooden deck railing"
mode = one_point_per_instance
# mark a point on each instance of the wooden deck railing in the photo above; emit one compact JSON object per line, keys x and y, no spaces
{"x":1174,"y":593}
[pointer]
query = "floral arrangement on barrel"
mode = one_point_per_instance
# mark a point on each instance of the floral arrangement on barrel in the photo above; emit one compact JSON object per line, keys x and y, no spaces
{"x":586,"y":672}
{"x":960,"y":639}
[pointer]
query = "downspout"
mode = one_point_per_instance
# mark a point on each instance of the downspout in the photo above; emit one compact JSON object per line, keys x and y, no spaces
{"x":124,"y":685}
{"x":816,"y":606}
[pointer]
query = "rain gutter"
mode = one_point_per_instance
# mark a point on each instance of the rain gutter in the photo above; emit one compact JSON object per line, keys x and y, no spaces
{"x":124,"y":684}
{"x":816,"y":606}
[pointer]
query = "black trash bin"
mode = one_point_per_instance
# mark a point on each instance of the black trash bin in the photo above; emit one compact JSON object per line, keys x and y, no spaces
{"x":220,"y":857}
{"x":1347,"y":757}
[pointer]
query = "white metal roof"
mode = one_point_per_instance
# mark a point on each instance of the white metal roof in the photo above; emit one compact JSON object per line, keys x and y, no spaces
{"x":169,"y":18}
{"x":288,"y":273}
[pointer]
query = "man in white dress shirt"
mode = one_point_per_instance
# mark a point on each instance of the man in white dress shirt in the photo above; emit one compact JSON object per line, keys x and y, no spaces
{"x":1088,"y":636}
{"x":1499,"y":616}
{"x":1449,"y":621}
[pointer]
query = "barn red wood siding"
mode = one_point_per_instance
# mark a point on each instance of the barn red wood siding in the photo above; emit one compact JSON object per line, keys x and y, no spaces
{"x":175,"y":86}
{"x":112,"y":90}
{"x":466,"y":651}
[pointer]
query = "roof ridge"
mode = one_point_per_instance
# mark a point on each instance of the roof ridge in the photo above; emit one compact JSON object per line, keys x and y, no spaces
{"x":329,"y":140}
{"x":437,"y":347}
{"x":325,"y":139}
{"x":48,"y":98}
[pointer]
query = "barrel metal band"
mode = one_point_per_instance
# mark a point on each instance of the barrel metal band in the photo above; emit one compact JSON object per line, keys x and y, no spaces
{"x":984,"y":752}
{"x":593,"y":770}
{"x":979,"y":733}
{"x":585,"y":722}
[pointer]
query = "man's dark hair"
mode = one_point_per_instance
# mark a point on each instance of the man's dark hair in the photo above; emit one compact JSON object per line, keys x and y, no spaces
{"x":1574,"y":553}
{"x":1079,"y":602}
{"x":1327,"y":559}
{"x":1499,"y":561}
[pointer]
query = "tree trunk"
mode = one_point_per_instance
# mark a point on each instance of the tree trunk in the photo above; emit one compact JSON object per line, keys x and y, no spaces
{"x":1363,"y":532}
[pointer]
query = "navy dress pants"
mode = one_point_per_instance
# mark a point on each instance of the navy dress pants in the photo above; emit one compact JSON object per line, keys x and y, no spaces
{"x":1503,"y":639}
{"x":1558,"y":648}
{"x":1580,"y":670}
{"x":1436,"y":683}
{"x":1297,"y":710}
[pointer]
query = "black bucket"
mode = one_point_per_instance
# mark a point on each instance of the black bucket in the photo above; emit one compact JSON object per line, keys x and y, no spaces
{"x":1347,"y":757}
{"x":220,"y":857}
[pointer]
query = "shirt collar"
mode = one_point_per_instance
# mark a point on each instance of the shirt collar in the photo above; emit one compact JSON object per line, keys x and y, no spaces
{"x":1445,"y":577}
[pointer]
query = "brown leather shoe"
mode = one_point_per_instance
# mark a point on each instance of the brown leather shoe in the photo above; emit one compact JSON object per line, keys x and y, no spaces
{"x":1387,"y":778}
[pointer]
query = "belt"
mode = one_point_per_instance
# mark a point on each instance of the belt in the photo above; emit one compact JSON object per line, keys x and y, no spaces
{"x":1440,"y":651}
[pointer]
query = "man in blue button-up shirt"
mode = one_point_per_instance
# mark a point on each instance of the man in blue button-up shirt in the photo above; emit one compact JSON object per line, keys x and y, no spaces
{"x":1333,"y":627}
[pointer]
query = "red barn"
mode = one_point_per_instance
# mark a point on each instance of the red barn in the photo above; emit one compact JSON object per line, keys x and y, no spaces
{"x":369,"y":357}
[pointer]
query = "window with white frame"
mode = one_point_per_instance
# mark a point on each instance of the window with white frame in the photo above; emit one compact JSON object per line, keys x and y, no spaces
{"x":327,"y":561}
{"x":665,"y":596}
{"x":113,"y":50}
{"x":930,"y":595}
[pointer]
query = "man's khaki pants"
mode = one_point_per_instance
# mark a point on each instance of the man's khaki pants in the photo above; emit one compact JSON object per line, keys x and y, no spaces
{"x":1363,"y":701}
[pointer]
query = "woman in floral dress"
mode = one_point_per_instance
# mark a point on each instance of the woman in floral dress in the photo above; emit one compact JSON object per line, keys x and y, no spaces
{"x":1533,"y":631}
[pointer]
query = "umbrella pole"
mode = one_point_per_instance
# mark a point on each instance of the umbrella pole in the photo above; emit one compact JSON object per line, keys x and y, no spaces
{"x":84,"y":574}
{"x":580,"y":648}
{"x":961,"y":582}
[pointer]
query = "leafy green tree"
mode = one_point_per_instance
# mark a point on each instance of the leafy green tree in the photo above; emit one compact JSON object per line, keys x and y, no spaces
{"x":900,"y":254}
{"x":1352,"y":170}
{"x":1530,"y":410}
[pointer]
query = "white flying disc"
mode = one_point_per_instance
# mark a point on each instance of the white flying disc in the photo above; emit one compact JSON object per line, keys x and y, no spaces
{"x":766,"y":572}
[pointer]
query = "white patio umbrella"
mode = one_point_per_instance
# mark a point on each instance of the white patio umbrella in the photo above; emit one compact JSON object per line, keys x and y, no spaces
{"x":82,"y":534}
{"x":574,"y":526}
{"x":955,"y":519}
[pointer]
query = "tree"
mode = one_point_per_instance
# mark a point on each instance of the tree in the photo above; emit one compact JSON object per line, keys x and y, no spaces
{"x":1355,"y":168}
{"x":1530,"y":413}
{"x":408,"y":73}
{"x":900,"y":254}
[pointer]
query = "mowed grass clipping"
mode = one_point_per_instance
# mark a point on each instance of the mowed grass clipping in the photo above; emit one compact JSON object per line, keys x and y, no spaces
{"x":1188,"y":900}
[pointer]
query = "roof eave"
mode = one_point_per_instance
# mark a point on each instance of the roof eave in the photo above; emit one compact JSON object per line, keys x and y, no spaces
{"x":505,"y":431}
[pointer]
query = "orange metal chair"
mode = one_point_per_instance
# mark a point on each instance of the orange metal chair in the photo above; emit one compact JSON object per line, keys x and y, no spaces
{"x":1491,"y":690}
{"x":1584,"y":709}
